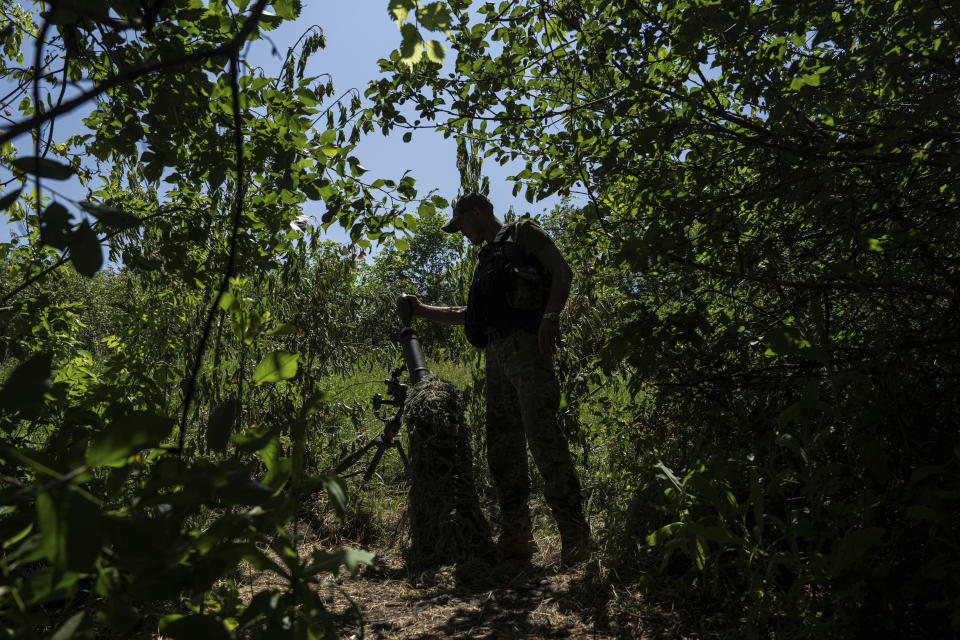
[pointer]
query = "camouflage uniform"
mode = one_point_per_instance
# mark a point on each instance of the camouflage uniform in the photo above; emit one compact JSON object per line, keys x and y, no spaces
{"x":522,"y":399}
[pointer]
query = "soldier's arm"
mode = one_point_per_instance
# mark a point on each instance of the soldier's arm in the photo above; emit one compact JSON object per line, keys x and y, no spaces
{"x":560,"y":278}
{"x":442,"y":315}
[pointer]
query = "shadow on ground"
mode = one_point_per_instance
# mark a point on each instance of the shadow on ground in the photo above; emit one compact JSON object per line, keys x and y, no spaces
{"x":536,"y":602}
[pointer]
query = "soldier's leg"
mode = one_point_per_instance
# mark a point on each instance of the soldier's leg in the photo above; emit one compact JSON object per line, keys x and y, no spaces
{"x":507,"y":457}
{"x":538,"y":396}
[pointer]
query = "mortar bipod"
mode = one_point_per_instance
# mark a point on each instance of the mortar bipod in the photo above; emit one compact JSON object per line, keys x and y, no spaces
{"x":396,"y":397}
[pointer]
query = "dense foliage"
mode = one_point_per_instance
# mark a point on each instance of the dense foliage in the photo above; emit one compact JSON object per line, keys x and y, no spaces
{"x":772,"y":205}
{"x":760,"y":355}
{"x":153,"y":419}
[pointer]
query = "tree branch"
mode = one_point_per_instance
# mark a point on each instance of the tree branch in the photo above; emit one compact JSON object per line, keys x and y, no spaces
{"x":231,"y":258}
{"x":228,"y":48}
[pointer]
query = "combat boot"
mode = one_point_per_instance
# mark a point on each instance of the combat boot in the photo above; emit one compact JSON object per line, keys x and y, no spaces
{"x":516,"y":544}
{"x":516,"y":550}
{"x":576,"y":545}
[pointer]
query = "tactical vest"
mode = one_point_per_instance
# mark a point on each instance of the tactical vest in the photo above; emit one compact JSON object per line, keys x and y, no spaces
{"x":509,"y":289}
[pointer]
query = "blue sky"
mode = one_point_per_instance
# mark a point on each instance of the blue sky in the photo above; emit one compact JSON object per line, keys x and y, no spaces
{"x":358,"y":34}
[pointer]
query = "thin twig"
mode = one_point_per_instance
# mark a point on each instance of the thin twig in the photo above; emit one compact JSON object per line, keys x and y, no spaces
{"x":234,"y":242}
{"x":38,"y":59}
{"x":66,"y":256}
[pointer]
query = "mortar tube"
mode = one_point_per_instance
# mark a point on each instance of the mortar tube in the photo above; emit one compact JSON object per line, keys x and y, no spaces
{"x":413,"y":355}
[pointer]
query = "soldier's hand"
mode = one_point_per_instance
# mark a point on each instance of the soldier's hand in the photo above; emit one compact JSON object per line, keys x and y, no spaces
{"x":547,"y":336}
{"x":414,"y":303}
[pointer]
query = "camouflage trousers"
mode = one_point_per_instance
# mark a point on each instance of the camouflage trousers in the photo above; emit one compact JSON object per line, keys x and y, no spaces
{"x":522,"y":400}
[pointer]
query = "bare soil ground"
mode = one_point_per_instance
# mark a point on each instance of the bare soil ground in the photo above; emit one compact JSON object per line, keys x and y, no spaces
{"x":543,"y":600}
{"x":535,"y":602}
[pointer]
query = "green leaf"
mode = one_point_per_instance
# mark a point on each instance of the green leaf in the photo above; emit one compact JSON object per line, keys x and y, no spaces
{"x":262,"y":604}
{"x":55,"y":226}
{"x":337,"y":492}
{"x":434,"y":16}
{"x":812,"y":79}
{"x":85,"y":251}
{"x":222,"y":423}
{"x":69,"y":628}
{"x":714,"y":534}
{"x":252,"y":439}
{"x":283,"y":329}
{"x":785,"y":340}
{"x":411,"y":45}
{"x":854,"y":545}
{"x":435,"y":51}
{"x":277,"y":366}
{"x":70,"y":531}
{"x":45,"y":168}
{"x":152,"y":171}
{"x":285,"y":9}
{"x":307,"y":98}
{"x":17,"y":537}
{"x":9,"y":199}
{"x":84,"y":533}
{"x":662,"y":534}
{"x":228,"y":302}
{"x":349,"y":558}
{"x":52,"y":539}
{"x":126,"y":436}
{"x":193,"y":627}
{"x":670,"y":476}
{"x":278,"y":468}
{"x":399,"y":9}
{"x":27,"y":384}
{"x":110,"y":216}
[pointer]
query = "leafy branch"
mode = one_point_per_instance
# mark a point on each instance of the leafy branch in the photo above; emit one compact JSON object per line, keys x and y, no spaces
{"x":228,"y":48}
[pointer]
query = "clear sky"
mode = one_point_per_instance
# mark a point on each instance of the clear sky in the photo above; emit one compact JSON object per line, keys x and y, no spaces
{"x":358,"y":33}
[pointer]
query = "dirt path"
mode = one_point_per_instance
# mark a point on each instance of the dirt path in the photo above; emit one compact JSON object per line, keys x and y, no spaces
{"x":534,"y":603}
{"x":542,"y":601}
{"x":481,"y":601}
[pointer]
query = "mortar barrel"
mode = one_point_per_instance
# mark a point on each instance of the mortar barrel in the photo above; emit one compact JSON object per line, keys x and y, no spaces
{"x":413,"y":355}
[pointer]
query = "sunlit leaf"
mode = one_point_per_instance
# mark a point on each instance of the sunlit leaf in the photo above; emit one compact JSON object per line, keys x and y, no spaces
{"x":399,"y":9}
{"x":434,"y":16}
{"x":435,"y":51}
{"x":127,"y":435}
{"x":411,"y":45}
{"x":277,"y":366}
{"x":285,"y":9}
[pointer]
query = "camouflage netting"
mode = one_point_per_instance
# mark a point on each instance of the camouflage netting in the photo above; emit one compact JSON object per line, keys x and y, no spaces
{"x":446,"y":524}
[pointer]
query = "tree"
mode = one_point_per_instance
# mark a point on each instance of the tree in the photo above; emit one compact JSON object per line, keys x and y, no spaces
{"x":780,"y":179}
{"x":138,"y":478}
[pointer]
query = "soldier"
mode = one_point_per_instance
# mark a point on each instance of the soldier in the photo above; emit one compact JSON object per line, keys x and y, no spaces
{"x":520,"y":284}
